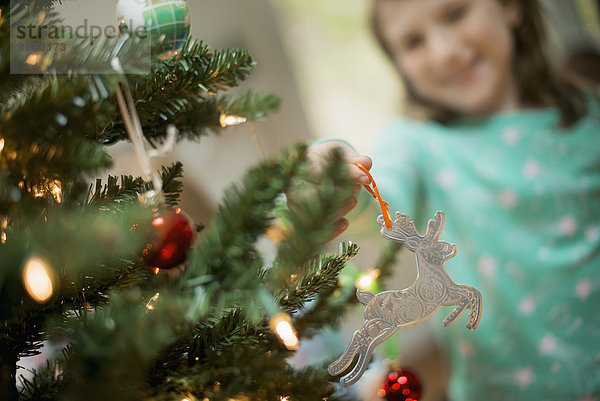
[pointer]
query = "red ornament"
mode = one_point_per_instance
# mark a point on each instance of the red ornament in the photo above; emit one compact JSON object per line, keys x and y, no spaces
{"x":401,"y":385}
{"x":172,"y":234}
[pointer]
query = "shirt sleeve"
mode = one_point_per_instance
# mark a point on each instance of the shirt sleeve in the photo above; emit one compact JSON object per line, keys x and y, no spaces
{"x":396,"y":168}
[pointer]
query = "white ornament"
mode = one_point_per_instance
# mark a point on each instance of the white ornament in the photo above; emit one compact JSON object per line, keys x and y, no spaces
{"x":131,"y":12}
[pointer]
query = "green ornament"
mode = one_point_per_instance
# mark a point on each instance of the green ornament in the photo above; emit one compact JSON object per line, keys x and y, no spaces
{"x":167,"y":22}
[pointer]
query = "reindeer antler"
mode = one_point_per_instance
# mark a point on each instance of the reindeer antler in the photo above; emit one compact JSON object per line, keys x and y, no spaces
{"x":403,"y":230}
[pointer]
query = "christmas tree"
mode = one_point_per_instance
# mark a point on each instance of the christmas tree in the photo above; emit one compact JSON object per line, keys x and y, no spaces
{"x":85,"y":262}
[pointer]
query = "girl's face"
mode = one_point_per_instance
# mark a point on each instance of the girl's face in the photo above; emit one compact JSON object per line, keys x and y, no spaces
{"x":455,"y":54}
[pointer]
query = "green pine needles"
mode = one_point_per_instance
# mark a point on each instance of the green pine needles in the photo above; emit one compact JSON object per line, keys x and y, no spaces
{"x":124,"y":332}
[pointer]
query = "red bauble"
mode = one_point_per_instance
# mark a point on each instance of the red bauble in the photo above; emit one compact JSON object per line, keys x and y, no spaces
{"x":401,"y":385}
{"x":172,"y":234}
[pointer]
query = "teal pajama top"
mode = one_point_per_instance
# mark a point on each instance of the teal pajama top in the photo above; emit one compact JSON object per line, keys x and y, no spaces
{"x":522,"y":203}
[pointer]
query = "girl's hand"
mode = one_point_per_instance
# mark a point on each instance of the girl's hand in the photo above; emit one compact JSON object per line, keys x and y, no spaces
{"x":317,"y":154}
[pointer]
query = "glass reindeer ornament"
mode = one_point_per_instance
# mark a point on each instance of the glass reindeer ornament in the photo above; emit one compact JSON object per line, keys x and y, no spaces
{"x":433,"y":288}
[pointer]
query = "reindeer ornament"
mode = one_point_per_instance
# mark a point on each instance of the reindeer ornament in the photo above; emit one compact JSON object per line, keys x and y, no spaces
{"x":389,"y":311}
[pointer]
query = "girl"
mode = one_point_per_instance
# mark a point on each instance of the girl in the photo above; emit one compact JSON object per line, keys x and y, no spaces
{"x":511,"y":153}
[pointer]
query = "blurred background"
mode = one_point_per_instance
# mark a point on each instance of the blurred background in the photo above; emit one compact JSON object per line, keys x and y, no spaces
{"x":320,"y":58}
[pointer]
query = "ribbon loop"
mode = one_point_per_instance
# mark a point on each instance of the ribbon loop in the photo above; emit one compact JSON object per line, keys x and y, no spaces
{"x":375,"y":192}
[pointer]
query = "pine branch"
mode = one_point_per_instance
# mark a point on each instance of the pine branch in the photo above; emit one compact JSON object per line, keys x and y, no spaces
{"x":80,"y":279}
{"x":222,"y":364}
{"x":48,"y":381}
{"x":181,"y":86}
{"x":197,"y":67}
{"x":226,"y":252}
{"x":112,"y":194}
{"x":179,"y":91}
{"x":118,"y":344}
{"x":315,"y":203}
{"x":10,"y":84}
{"x":194,"y":115}
{"x":317,"y":276}
{"x":327,"y":310}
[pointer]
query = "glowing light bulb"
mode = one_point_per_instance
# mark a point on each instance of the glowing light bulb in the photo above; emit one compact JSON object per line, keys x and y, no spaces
{"x":281,"y":324}
{"x":228,"y":119}
{"x":33,"y":59}
{"x":1,"y":144}
{"x":38,"y":191}
{"x":56,"y":190}
{"x":366,"y":281}
{"x":37,"y":279}
{"x":150,"y":304}
{"x":3,"y":227}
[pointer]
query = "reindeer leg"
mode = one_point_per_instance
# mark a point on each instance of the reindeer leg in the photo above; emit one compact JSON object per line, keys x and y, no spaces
{"x":461,"y":307}
{"x":365,"y":356}
{"x":470,"y":298}
{"x":358,"y":342}
{"x":356,"y":373}
{"x":474,"y":297}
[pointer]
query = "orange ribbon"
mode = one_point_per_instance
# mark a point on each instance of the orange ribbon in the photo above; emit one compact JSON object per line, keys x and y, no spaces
{"x":375,"y":192}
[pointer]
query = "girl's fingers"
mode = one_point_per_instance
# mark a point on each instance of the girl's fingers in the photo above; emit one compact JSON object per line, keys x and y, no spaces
{"x":356,"y":173}
{"x":339,"y":227}
{"x":348,"y":206}
{"x":364,"y":160}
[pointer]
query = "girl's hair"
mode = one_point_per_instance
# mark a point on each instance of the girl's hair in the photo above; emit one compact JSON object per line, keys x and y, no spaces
{"x":538,"y":84}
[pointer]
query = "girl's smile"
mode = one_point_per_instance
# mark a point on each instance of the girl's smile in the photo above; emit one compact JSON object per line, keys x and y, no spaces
{"x":456,"y":54}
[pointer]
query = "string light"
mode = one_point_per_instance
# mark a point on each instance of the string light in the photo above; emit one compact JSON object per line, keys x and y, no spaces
{"x":283,"y":398}
{"x":1,"y":144}
{"x":281,"y":324}
{"x":53,"y":188}
{"x":56,"y":190}
{"x":33,"y":59}
{"x":228,"y":120}
{"x":38,"y":280}
{"x":366,"y":281}
{"x":150,"y":304}
{"x":38,"y":191}
{"x":3,"y":227}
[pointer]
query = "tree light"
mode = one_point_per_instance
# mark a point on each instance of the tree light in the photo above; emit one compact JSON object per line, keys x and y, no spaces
{"x":3,"y":227}
{"x":228,"y":119}
{"x":56,"y":190}
{"x":366,"y":281}
{"x":37,"y":279}
{"x":150,"y":304}
{"x":281,"y":324}
{"x":33,"y":59}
